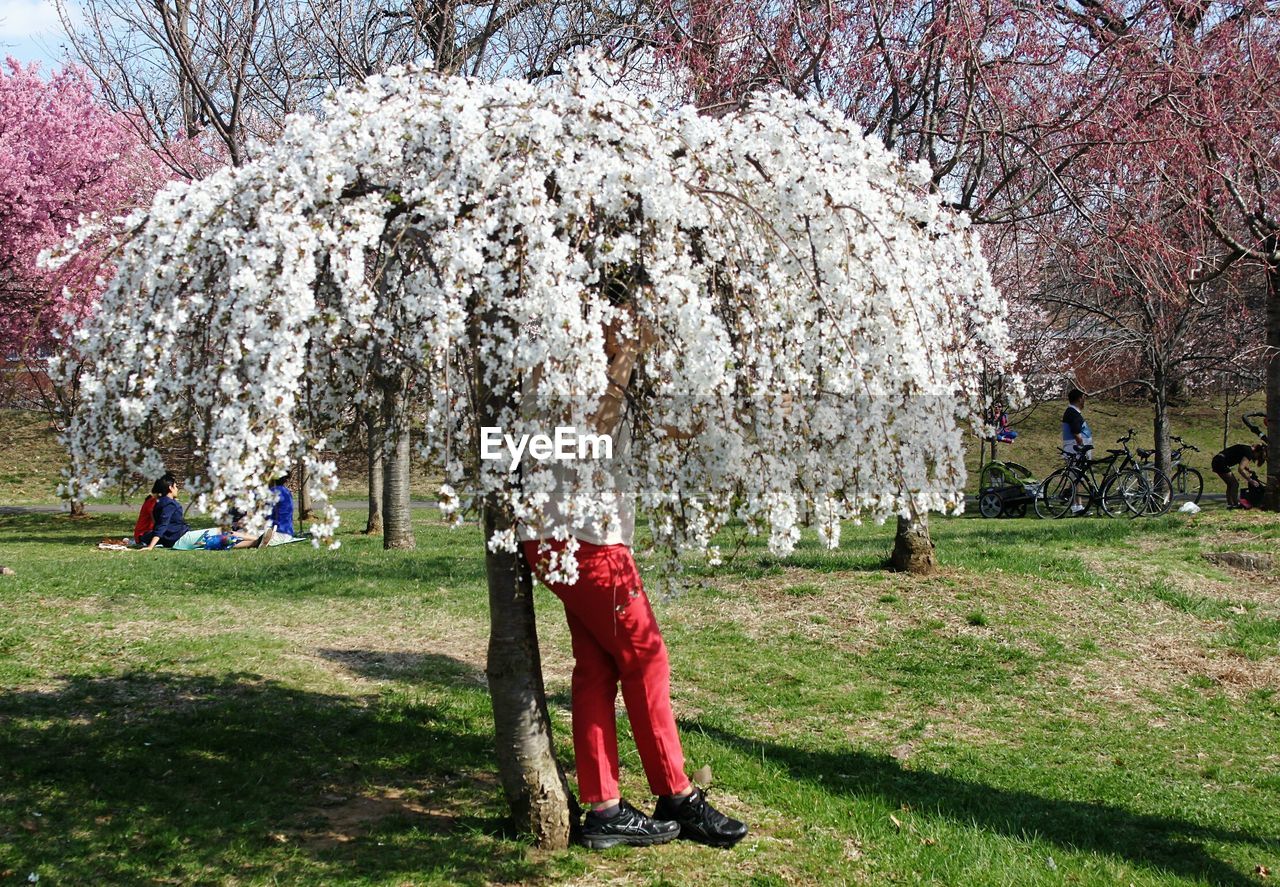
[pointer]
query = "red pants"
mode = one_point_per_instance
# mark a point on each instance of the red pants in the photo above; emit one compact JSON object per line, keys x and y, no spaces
{"x":616,"y":640}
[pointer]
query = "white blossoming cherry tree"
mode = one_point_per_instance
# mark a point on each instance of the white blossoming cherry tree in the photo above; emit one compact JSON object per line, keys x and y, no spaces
{"x":812,"y":321}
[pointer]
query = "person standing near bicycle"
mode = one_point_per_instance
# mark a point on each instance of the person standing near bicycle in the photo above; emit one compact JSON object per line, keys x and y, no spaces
{"x":1241,"y":457}
{"x":1077,"y":437}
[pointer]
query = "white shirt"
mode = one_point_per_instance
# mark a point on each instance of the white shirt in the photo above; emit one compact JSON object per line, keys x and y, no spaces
{"x":574,"y":475}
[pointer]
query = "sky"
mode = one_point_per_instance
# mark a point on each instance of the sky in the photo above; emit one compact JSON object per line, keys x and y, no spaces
{"x":31,"y":32}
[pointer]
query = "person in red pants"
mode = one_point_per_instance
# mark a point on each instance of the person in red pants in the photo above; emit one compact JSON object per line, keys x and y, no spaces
{"x":616,"y":641}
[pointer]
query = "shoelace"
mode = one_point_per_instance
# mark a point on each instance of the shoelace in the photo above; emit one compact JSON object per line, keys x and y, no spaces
{"x":699,"y":805}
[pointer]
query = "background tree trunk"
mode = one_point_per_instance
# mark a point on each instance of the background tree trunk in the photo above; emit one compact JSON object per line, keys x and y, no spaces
{"x":77,"y":508}
{"x":1226,"y":415}
{"x":305,"y":509}
{"x":1273,"y":376}
{"x":1161,"y":423}
{"x":373,"y":429}
{"x":912,"y":547}
{"x":397,"y":517}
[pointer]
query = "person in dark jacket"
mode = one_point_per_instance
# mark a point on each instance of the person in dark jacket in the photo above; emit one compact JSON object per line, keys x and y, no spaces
{"x":170,"y":526}
{"x":1242,"y":458}
{"x":146,"y":518}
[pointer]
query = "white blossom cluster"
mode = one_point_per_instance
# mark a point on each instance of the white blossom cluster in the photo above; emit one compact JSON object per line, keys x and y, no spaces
{"x":817,"y":316}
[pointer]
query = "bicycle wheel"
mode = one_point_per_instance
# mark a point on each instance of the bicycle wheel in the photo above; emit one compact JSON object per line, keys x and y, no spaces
{"x":1159,"y":492}
{"x":1056,"y":494}
{"x":1115,"y":497}
{"x":1188,"y":484}
{"x":1146,"y":491}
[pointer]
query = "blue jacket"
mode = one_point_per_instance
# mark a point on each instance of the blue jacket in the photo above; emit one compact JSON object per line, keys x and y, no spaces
{"x":169,"y":522}
{"x":282,"y":513}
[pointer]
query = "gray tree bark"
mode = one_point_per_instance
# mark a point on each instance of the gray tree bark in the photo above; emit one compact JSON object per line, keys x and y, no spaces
{"x":305,"y":508}
{"x":373,"y":429}
{"x":912,"y":548}
{"x":1273,"y":375}
{"x":1160,"y":398}
{"x":397,"y":517}
{"x":532,"y":779}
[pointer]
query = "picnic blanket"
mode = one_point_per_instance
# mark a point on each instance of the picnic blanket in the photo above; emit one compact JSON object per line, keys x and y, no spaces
{"x":111,"y":544}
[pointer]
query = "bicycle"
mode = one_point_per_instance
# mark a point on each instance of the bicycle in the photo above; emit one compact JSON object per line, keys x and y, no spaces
{"x":1124,"y":488}
{"x":1075,"y":481}
{"x":1188,"y":483}
{"x":1150,"y":487}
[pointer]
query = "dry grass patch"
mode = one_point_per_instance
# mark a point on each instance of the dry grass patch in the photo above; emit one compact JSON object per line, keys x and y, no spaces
{"x":343,"y":814}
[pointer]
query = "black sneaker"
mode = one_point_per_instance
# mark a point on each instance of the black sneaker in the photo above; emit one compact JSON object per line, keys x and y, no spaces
{"x":699,"y":821}
{"x":628,"y":826}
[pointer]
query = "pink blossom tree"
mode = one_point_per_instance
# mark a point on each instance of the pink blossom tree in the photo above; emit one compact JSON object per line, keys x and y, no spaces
{"x":1025,"y":111}
{"x":1207,"y":70}
{"x":63,"y":157}
{"x":1129,"y":290}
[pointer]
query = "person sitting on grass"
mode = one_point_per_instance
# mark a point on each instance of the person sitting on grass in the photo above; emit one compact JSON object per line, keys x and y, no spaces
{"x":171,"y":529}
{"x":1004,"y":434}
{"x":168,"y":524}
{"x":280,"y":524}
{"x":1242,"y":458}
{"x":146,"y":515}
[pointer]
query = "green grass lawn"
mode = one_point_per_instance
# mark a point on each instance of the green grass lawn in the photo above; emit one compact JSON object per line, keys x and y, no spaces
{"x":1073,"y":702}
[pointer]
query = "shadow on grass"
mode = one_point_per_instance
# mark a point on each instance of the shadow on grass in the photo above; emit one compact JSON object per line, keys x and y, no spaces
{"x":424,"y":669}
{"x":176,"y":778}
{"x":1154,"y":842}
{"x":398,"y":665}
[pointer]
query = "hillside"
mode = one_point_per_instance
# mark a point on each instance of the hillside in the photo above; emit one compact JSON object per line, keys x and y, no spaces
{"x":1199,"y":422}
{"x":31,"y":458}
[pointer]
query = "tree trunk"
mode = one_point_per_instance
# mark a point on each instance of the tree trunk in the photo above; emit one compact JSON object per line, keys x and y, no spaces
{"x":1273,"y":374}
{"x":305,"y":509}
{"x":1161,"y":423}
{"x":1226,"y":415}
{"x":397,"y":517}
{"x":373,"y":429}
{"x":532,"y":779}
{"x":912,"y":547}
{"x":77,"y":508}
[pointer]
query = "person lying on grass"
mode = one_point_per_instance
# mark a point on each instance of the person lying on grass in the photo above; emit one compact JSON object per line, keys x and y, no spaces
{"x":171,"y":529}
